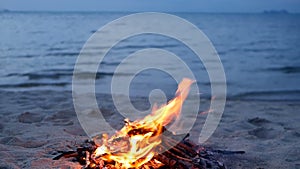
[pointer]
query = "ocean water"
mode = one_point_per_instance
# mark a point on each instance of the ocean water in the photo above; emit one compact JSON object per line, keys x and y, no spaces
{"x":260,"y":53}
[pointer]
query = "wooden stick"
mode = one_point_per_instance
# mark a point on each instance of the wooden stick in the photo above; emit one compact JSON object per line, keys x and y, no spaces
{"x":169,"y":153}
{"x":179,"y":145}
{"x":228,"y":152}
{"x":67,"y":154}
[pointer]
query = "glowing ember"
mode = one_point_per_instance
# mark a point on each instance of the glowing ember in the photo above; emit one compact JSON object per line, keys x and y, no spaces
{"x":135,"y":144}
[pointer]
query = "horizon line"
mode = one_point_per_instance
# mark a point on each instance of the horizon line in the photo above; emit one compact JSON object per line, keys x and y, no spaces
{"x":139,"y":11}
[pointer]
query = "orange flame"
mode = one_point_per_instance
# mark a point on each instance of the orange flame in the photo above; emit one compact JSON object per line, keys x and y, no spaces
{"x":134,"y":145}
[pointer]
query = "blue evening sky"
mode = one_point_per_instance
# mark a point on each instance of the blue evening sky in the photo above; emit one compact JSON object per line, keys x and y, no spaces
{"x":152,"y":5}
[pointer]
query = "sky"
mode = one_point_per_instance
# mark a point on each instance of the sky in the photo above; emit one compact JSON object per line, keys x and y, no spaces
{"x":152,"y":5}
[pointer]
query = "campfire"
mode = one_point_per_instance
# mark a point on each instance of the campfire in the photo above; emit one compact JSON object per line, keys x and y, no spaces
{"x":146,"y":143}
{"x":136,"y":143}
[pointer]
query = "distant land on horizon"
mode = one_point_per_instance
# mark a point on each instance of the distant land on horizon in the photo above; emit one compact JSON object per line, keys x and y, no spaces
{"x":283,"y":11}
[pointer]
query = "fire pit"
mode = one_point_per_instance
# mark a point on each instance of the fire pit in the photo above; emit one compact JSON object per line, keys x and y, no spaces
{"x":146,"y":143}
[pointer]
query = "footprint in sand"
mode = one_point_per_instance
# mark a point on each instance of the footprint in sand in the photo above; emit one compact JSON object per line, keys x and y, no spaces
{"x":26,"y":143}
{"x":61,"y":118}
{"x":258,"y":121}
{"x":265,"y":129}
{"x":29,"y":117}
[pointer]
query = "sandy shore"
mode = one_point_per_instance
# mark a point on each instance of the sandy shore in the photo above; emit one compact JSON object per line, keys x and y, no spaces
{"x":34,"y":125}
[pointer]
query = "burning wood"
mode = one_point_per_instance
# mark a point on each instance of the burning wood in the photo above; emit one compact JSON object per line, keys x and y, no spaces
{"x":146,"y":143}
{"x":185,"y":154}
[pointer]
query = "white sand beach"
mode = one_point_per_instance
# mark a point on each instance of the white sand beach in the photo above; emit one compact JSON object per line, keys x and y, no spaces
{"x":36,"y":125}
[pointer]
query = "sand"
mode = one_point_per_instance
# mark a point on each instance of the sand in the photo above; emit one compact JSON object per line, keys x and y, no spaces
{"x":35,"y":125}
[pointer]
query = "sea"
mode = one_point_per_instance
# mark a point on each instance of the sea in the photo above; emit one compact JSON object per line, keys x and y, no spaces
{"x":260,"y":53}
